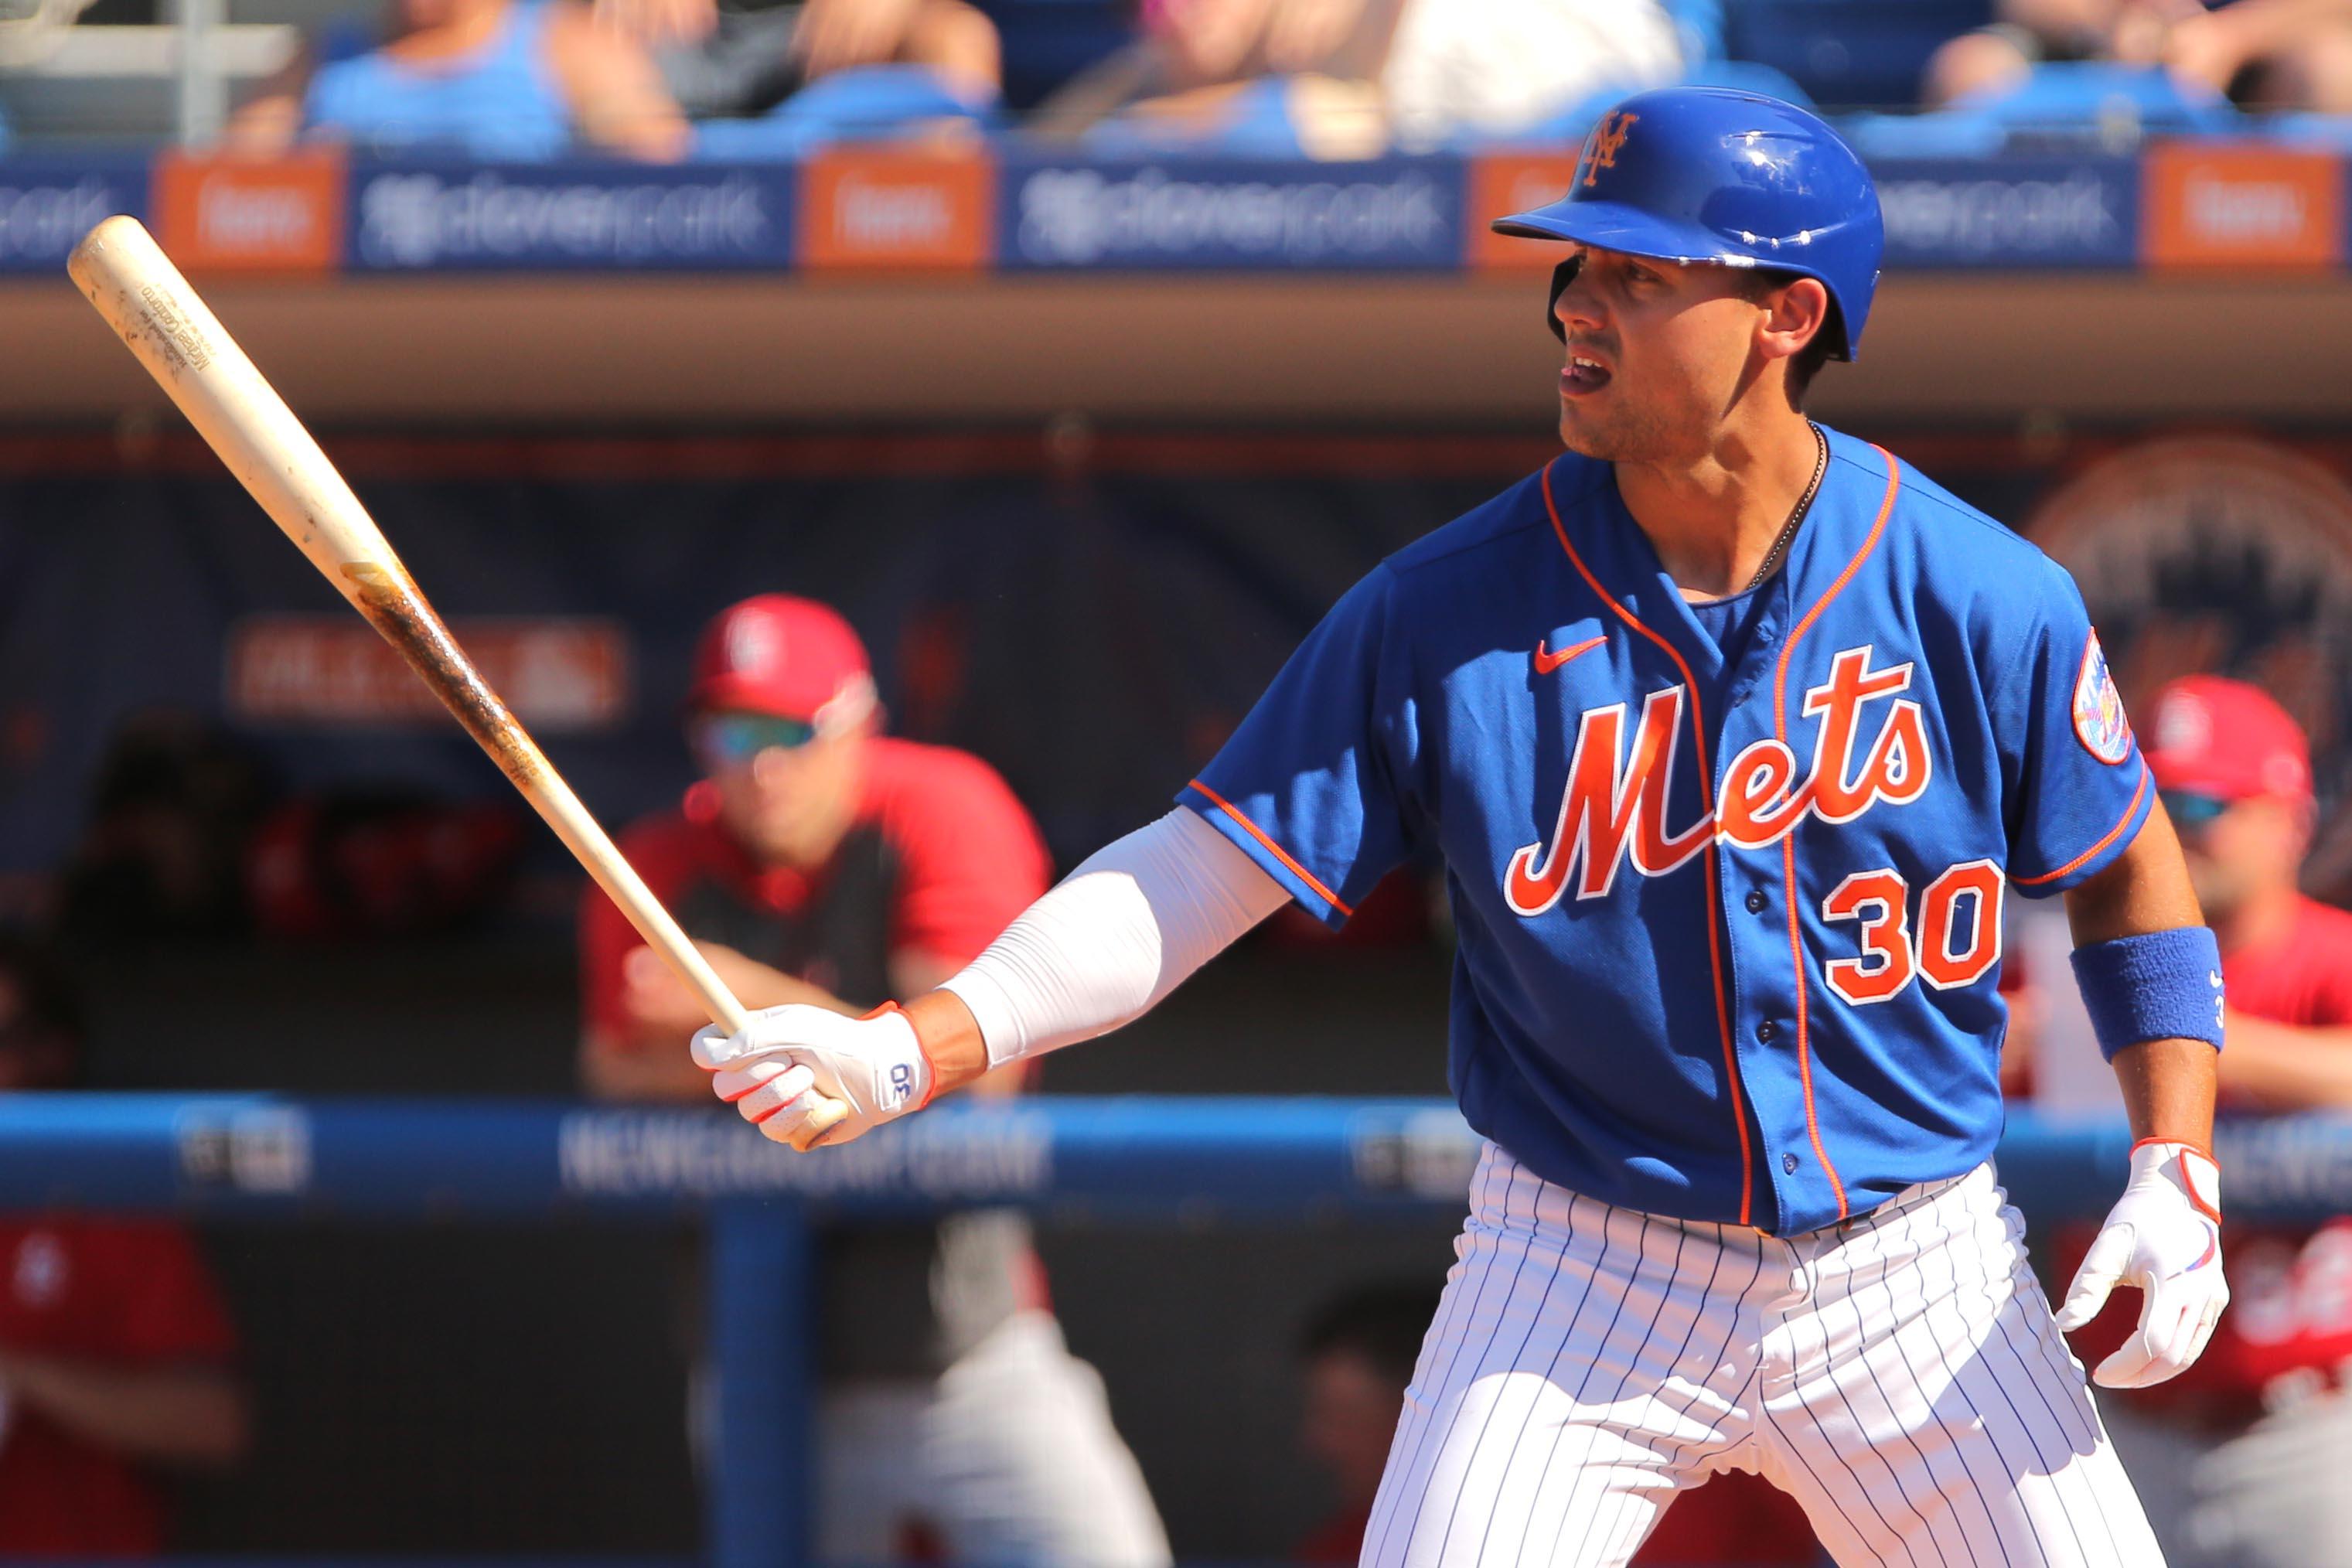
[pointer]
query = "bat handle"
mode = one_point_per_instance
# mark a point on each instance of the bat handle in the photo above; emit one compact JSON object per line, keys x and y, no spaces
{"x":687,"y":962}
{"x":581,"y":834}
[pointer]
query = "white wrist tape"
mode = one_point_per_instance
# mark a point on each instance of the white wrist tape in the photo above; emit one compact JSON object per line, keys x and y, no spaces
{"x":1120,"y":932}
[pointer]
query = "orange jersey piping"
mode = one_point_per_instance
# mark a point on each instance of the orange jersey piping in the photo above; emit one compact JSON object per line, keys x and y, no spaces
{"x":2088,"y":855}
{"x":1788,"y":843}
{"x":1277,"y":850}
{"x":1706,"y":799}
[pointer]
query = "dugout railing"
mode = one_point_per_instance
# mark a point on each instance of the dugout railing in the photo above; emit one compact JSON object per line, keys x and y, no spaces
{"x":1156,"y":1160}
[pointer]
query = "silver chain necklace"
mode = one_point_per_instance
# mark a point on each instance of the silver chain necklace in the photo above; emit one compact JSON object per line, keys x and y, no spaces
{"x":1804,"y":504}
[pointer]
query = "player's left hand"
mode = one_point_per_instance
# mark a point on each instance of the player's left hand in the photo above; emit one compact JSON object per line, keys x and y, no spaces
{"x":873,"y":1065}
{"x":2164,"y":1235}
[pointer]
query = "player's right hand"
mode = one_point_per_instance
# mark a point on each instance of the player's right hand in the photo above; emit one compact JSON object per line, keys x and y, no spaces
{"x":786,"y":1057}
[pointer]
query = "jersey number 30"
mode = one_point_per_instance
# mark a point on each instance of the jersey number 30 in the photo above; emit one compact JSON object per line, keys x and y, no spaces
{"x":1959,"y":930}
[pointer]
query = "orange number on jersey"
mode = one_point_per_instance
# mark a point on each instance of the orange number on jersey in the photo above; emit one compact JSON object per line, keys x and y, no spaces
{"x":1945,"y":962}
{"x":1884,"y":967}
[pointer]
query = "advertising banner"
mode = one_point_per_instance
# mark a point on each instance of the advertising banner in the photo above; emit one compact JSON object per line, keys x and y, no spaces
{"x":1505,"y":182}
{"x":559,"y":674}
{"x":879,"y":210}
{"x":1394,"y":215}
{"x":240,"y":214}
{"x":2017,"y":212}
{"x":48,"y":204}
{"x":421,"y":216}
{"x":2243,"y":207}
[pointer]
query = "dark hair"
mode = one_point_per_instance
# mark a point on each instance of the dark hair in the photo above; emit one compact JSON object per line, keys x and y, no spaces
{"x":1810,"y":359}
{"x":1384,"y":1324}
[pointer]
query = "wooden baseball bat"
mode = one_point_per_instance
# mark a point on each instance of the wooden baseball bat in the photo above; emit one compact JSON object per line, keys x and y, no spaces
{"x":160,"y":319}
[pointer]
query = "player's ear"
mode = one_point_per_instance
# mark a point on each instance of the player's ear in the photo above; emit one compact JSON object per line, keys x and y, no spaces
{"x":1795,"y":313}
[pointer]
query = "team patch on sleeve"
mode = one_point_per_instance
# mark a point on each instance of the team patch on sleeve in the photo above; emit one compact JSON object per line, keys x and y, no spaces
{"x":2099,"y":721}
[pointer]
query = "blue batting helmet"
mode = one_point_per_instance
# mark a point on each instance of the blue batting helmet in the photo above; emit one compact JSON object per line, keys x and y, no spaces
{"x":1706,"y":173}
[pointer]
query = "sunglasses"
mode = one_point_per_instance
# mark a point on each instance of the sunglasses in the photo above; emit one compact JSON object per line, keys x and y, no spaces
{"x":732,"y":740}
{"x":2191,"y":810}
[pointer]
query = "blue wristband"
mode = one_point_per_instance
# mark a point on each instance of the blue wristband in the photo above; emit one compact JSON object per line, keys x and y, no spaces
{"x":2163,"y":986}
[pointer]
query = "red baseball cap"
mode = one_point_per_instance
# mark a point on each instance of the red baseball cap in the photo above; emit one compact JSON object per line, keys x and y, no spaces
{"x":781,"y":655}
{"x":2221,"y":737}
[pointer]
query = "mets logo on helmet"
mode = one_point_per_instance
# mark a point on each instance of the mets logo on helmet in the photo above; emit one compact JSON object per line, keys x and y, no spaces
{"x":1601,"y":152}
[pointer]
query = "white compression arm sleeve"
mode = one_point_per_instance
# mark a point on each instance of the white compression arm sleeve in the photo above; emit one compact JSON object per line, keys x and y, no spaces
{"x":1120,"y":932}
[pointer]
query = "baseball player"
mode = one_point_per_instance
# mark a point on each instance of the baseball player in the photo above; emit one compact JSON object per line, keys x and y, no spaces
{"x":821,"y":861}
{"x":1733,"y":734}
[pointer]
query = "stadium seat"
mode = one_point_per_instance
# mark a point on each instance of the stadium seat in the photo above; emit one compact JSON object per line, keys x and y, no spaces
{"x":1849,"y":53}
{"x":2329,"y":132}
{"x":1568,"y":127}
{"x":1258,"y":125}
{"x":873,"y":103}
{"x":2075,"y":104}
{"x":1046,"y":42}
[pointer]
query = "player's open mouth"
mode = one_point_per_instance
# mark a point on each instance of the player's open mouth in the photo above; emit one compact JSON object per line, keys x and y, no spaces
{"x":1582,"y":375}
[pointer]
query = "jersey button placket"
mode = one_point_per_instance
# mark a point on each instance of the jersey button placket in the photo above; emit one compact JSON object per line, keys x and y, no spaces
{"x":1766,"y":1031}
{"x":1756,"y":901}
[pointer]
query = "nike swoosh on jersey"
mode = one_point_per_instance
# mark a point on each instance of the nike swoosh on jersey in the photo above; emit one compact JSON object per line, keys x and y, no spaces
{"x":1546,"y":661}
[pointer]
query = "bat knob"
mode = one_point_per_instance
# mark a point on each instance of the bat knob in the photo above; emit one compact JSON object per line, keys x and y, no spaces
{"x":823,"y":1119}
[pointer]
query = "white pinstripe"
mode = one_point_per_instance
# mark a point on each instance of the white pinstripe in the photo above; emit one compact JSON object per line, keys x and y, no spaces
{"x":1899,"y":1375}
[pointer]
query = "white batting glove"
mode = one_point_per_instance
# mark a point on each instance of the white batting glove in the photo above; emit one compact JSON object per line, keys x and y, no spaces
{"x":873,"y":1065}
{"x":2164,"y":1235}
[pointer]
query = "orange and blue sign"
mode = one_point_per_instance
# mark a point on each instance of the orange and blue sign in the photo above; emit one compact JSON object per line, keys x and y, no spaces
{"x":2185,"y":206}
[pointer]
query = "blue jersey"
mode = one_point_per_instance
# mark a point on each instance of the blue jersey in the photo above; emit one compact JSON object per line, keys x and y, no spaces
{"x":1730,"y":928}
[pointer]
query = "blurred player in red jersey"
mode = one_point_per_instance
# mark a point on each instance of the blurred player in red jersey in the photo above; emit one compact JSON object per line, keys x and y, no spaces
{"x":1356,"y":1357}
{"x":2243,"y":1461}
{"x":821,"y":862}
{"x":115,"y":1350}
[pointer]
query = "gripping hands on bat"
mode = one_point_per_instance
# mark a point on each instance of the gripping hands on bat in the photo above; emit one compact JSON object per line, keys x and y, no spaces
{"x":788,"y":1065}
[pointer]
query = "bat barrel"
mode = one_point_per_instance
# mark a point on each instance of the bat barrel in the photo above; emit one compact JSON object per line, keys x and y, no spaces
{"x":125,"y":274}
{"x":171,"y":332}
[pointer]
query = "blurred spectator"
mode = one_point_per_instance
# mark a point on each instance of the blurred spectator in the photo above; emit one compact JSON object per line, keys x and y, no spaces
{"x":722,"y":58}
{"x":362,"y":862}
{"x":840,"y":867}
{"x":493,"y":79}
{"x":2241,"y":1460}
{"x":1355,"y":1358}
{"x":2263,"y":54}
{"x":1359,"y":75}
{"x":114,"y":1347}
{"x":170,"y":813}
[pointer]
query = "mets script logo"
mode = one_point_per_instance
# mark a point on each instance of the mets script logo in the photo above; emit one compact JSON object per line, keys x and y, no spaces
{"x":1614,"y":805}
{"x":1607,"y":138}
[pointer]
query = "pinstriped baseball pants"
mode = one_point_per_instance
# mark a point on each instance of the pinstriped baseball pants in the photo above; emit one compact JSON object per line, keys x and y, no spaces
{"x":1898,"y":1374}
